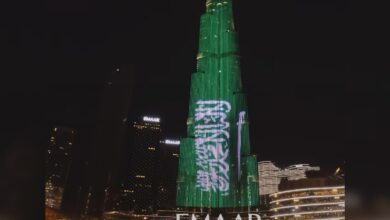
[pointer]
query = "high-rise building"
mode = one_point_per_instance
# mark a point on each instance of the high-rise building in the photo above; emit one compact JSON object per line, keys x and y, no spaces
{"x":309,"y":199}
{"x":58,"y":162}
{"x":216,"y":167}
{"x":140,"y":184}
{"x":149,"y":179}
{"x":168,"y":162}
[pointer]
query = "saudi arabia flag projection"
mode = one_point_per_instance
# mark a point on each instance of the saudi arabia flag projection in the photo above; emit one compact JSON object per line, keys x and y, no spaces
{"x":216,"y":169}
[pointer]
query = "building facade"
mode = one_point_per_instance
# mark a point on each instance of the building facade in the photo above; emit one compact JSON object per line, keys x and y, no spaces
{"x":58,"y":162}
{"x":141,"y":183}
{"x":309,"y":199}
{"x":270,"y":175}
{"x":168,"y":162}
{"x":216,"y":167}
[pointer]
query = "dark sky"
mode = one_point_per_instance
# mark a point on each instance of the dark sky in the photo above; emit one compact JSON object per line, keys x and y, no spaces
{"x":296,"y":66}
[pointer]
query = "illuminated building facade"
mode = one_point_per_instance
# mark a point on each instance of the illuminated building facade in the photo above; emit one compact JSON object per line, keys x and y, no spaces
{"x":140,"y":184}
{"x":168,"y":162}
{"x":216,"y":169}
{"x":58,"y":162}
{"x":309,"y":199}
{"x":271,"y":175}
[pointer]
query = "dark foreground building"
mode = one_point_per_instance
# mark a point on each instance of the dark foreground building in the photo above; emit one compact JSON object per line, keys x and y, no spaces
{"x":107,"y":143}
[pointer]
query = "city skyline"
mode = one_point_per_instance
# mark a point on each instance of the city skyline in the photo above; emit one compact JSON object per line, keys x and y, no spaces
{"x":296,"y":91}
{"x":295,"y":70}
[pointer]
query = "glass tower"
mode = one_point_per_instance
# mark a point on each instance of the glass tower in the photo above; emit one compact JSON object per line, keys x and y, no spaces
{"x":216,"y":169}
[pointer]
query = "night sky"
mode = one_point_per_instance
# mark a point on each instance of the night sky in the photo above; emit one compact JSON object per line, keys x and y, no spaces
{"x":295,"y":56}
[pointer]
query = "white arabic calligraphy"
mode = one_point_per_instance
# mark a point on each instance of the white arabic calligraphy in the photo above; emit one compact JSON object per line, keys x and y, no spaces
{"x":212,"y":145}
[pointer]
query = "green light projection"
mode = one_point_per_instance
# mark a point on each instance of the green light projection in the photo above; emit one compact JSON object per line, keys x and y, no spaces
{"x":216,"y":169}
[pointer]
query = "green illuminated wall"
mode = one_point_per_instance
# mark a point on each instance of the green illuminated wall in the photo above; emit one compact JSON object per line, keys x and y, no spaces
{"x":216,"y":169}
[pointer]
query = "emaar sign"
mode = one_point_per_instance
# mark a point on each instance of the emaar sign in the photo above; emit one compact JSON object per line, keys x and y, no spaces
{"x":220,"y":217}
{"x":151,"y":119}
{"x":172,"y":142}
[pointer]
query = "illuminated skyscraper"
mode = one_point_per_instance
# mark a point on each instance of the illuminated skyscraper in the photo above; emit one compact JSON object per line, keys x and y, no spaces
{"x":168,"y":161}
{"x":58,"y":162}
{"x":141,"y":180}
{"x":216,"y":168}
